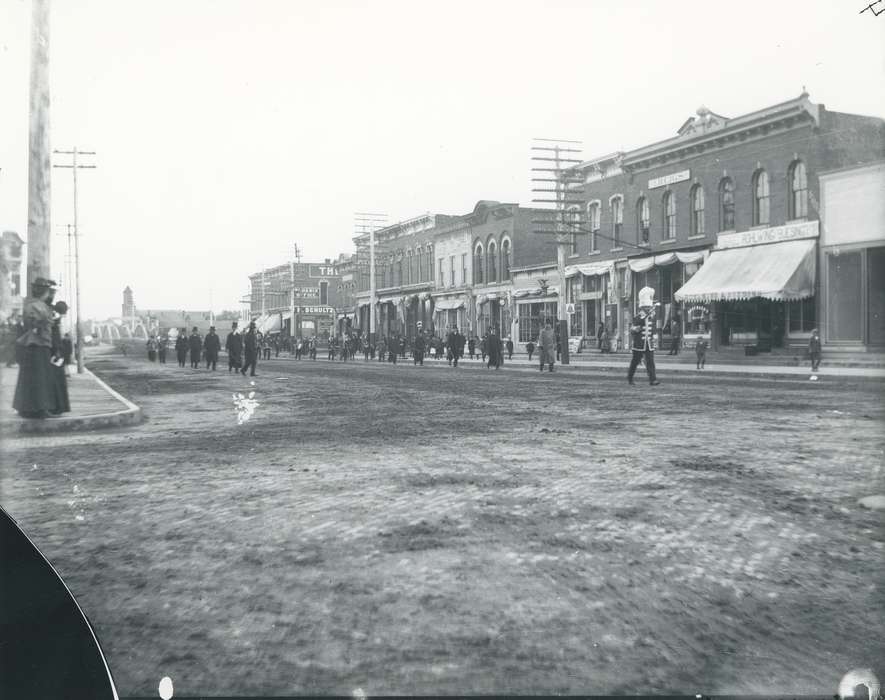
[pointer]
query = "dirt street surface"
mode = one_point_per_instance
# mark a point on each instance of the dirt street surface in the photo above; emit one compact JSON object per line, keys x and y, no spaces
{"x":436,"y":530}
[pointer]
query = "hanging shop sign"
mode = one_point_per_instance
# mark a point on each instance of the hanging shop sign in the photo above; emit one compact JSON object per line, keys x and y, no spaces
{"x":669,"y":179}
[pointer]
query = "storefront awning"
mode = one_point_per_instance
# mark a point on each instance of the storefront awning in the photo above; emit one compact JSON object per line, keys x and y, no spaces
{"x":776,"y":271}
{"x":448,"y":304}
{"x":593,"y":269}
{"x":537,"y":292}
{"x":647,"y":263}
{"x":271,"y":324}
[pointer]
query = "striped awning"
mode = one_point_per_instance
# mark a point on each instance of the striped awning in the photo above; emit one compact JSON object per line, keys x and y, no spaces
{"x":777,"y":271}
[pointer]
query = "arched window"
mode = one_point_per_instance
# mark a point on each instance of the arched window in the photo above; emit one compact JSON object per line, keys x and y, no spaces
{"x":617,"y":206}
{"x":505,"y":259}
{"x":697,"y":211}
{"x":798,"y":191}
{"x":477,"y":264}
{"x":593,"y":219}
{"x":669,"y":216}
{"x":726,"y":204}
{"x":399,"y":270}
{"x":492,"y":258}
{"x":643,"y":217}
{"x":409,"y":267}
{"x":761,"y":199}
{"x":419,"y":263}
{"x":430,"y":262}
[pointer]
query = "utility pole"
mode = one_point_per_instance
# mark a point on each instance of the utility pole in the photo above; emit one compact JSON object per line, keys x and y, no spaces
{"x":367,"y":222}
{"x":563,"y":200}
{"x":74,"y":166}
{"x":67,"y":283}
{"x":292,"y":322}
{"x":39,"y":150}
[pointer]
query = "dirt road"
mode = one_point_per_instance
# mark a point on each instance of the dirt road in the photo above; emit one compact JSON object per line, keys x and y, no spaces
{"x":409,"y":530}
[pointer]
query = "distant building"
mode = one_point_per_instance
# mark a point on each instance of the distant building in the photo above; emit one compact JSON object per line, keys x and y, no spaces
{"x":11,"y":291}
{"x":318,"y":297}
{"x":128,"y":303}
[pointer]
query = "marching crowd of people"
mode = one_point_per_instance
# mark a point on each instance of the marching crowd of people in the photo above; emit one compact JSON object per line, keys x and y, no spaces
{"x":43,"y":353}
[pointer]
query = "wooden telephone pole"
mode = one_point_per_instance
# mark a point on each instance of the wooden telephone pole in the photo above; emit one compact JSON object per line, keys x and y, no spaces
{"x":74,"y":166}
{"x":565,"y":199}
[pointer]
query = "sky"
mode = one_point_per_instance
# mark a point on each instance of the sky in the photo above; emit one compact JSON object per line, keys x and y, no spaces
{"x":228,"y":131}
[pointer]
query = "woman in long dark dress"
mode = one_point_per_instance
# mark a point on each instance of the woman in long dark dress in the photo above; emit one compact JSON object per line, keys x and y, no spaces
{"x":59,"y":373}
{"x":35,"y":390}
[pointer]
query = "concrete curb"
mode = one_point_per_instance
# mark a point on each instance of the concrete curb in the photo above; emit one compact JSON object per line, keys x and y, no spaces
{"x":131,"y":415}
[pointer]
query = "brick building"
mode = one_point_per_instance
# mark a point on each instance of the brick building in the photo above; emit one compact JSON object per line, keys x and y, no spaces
{"x":317,"y":297}
{"x":721,"y":220}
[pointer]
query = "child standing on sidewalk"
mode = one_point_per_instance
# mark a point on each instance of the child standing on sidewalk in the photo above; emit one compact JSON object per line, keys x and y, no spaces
{"x":700,"y":348}
{"x":814,"y":350}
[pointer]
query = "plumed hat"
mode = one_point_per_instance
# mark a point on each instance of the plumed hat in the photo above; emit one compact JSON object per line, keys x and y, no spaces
{"x":646,"y":296}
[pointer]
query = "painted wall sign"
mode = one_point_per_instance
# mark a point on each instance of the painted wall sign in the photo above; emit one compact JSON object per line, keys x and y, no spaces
{"x":669,"y":179}
{"x":321,"y":271}
{"x":776,"y":234}
{"x":314,"y":310}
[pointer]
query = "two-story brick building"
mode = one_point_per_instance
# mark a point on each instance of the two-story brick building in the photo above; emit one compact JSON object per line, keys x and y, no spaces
{"x":404,"y":276}
{"x":721,"y":220}
{"x":318,"y":295}
{"x":480,"y":257}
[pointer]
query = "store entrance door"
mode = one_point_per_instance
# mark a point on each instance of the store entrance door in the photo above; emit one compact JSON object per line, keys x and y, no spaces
{"x":876,"y":302}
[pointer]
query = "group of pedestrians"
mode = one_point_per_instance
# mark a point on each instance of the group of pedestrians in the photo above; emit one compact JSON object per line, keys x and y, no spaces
{"x":42,"y":353}
{"x":243,"y":349}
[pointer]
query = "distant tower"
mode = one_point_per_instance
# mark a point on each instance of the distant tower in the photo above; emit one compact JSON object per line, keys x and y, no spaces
{"x":128,"y":304}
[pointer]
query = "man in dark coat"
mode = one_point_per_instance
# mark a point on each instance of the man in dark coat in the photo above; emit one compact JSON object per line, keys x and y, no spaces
{"x":161,"y":348}
{"x":675,"y":334}
{"x":195,"y":345}
{"x":642,"y":333}
{"x":181,"y":346}
{"x":453,"y":340}
{"x":234,"y":346}
{"x":250,"y":350}
{"x":212,"y":346}
{"x":418,"y":349}
{"x":495,"y":349}
{"x":509,"y":348}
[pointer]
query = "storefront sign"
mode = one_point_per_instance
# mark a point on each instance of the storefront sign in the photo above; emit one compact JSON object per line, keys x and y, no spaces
{"x":669,"y":179}
{"x":590,"y":296}
{"x":321,"y":271}
{"x":307,"y":292}
{"x":776,"y":234}
{"x":314,"y":310}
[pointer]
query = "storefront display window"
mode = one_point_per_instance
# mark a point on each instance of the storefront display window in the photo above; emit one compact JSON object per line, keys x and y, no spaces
{"x":697,"y":319}
{"x":532,"y":317}
{"x":802,"y":318}
{"x":844,"y":310}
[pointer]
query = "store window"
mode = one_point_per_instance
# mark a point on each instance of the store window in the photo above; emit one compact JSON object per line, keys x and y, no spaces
{"x":573,"y":225}
{"x":532,"y":318}
{"x":669,"y":216}
{"x":643,"y":216}
{"x":617,"y":205}
{"x":726,"y":204}
{"x":593,"y":216}
{"x":477,"y":264}
{"x":761,"y":199}
{"x":697,"y":211}
{"x":798,"y":191}
{"x":492,"y":257}
{"x":802,"y":318}
{"x":505,"y":259}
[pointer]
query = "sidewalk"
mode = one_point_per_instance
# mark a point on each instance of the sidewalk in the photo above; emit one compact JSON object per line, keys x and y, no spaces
{"x":581,"y":363}
{"x":93,"y":405}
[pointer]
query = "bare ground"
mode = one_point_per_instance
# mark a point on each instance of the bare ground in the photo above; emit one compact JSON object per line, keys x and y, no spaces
{"x":407,"y":530}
